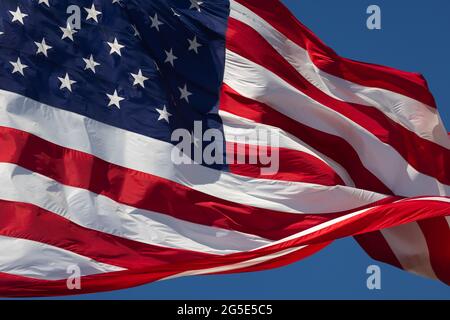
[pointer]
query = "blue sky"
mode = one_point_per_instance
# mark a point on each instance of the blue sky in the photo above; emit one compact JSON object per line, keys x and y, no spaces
{"x":414,"y":37}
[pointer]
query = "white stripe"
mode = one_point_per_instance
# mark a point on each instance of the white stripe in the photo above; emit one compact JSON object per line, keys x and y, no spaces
{"x":441,"y":199}
{"x":239,"y":265}
{"x":321,"y":226}
{"x":329,"y":223}
{"x":152,"y":156}
{"x":410,"y":247}
{"x":100,"y":213}
{"x":411,"y":114}
{"x":255,"y":82}
{"x":235,"y":126}
{"x":42,"y":261}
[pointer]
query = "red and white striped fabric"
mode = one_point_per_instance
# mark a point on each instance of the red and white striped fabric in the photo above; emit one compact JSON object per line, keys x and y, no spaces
{"x":382,"y":122}
{"x":362,"y":149}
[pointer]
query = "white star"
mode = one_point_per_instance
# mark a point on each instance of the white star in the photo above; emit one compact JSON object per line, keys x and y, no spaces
{"x":92,"y":13}
{"x":194,"y":45}
{"x":184,"y":93}
{"x":90,"y":64}
{"x":1,"y":32}
{"x":115,"y":47}
{"x":114,"y":99}
{"x":117,"y":1}
{"x":136,"y":31}
{"x":139,"y":79}
{"x":42,"y":47}
{"x":18,"y":15}
{"x":66,"y":82}
{"x":68,"y":32}
{"x":195,"y":4}
{"x":18,"y":66}
{"x":176,"y":14}
{"x":163,"y":114}
{"x":155,"y":22}
{"x":170,"y":57}
{"x":45,"y":2}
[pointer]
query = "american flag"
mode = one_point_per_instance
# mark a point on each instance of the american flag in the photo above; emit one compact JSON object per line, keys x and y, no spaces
{"x":87,"y":116}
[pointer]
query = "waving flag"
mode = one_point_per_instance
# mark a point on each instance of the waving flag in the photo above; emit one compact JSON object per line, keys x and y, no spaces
{"x":87,"y":119}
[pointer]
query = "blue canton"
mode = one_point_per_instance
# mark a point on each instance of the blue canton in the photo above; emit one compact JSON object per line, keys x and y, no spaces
{"x":147,"y":66}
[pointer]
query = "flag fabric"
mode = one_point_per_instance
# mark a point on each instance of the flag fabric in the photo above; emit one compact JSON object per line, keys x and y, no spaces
{"x":87,"y":118}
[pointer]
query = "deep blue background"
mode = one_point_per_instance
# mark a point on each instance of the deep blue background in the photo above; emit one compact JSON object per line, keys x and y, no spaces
{"x":414,"y":37}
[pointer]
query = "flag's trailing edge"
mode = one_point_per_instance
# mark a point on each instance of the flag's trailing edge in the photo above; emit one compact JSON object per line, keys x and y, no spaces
{"x":87,"y":116}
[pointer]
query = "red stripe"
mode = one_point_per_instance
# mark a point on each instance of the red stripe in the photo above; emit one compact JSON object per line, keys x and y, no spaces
{"x":333,"y":147}
{"x":418,"y":152}
{"x":412,"y":85}
{"x":378,"y":248}
{"x":437,"y":235}
{"x":380,"y":217}
{"x":149,"y":192}
{"x":292,"y":165}
{"x":281,"y":261}
{"x":20,"y":286}
{"x":26,"y":221}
